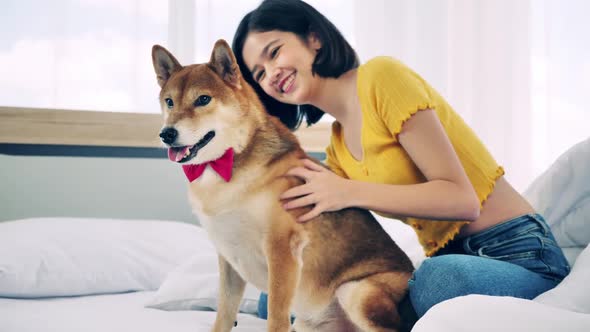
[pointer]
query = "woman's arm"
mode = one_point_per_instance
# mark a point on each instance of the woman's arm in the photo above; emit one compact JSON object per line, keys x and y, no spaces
{"x":447,"y":195}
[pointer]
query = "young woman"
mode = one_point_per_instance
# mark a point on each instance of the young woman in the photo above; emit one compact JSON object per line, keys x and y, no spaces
{"x":399,"y":149}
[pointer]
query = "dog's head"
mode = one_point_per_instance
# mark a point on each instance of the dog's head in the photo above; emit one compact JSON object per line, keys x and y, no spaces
{"x":207,"y":108}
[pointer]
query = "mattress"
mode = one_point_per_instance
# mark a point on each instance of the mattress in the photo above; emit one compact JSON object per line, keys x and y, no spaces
{"x":113,"y":313}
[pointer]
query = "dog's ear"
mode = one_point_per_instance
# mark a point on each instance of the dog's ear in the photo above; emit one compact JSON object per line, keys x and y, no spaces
{"x":225,"y":64}
{"x":164,"y":64}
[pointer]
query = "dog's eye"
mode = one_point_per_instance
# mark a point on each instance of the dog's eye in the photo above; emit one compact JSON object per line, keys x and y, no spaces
{"x":169,"y":103}
{"x":202,"y":100}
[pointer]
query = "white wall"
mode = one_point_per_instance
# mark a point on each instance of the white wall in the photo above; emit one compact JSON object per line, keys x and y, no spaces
{"x":142,"y":188}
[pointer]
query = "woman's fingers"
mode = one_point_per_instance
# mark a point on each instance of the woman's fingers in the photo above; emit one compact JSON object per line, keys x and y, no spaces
{"x":316,"y":211}
{"x":299,"y":202}
{"x":297,"y":191}
{"x":307,"y":171}
{"x":303,"y":195}
{"x":312,"y":165}
{"x":300,"y":172}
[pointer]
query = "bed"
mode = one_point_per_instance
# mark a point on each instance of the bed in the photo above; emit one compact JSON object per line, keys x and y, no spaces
{"x":99,"y":274}
{"x":112,"y":274}
{"x":109,"y":312}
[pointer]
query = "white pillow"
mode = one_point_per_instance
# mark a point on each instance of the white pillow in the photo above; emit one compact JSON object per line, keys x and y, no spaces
{"x":573,"y":293}
{"x":562,"y":195}
{"x":46,"y":257}
{"x":195,"y":286}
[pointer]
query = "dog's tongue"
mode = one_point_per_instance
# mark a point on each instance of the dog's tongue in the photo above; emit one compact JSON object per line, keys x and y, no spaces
{"x":176,"y":154}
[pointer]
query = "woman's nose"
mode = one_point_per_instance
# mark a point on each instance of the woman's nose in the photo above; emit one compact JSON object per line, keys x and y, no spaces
{"x":275,"y":75}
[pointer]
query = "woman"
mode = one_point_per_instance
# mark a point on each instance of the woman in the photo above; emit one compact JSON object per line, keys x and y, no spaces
{"x":399,"y":149}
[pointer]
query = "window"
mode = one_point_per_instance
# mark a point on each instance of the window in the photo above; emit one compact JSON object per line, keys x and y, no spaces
{"x":69,"y":65}
{"x":81,"y":54}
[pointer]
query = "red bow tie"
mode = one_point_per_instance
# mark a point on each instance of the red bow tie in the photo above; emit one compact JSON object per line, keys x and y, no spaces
{"x":223,"y":167}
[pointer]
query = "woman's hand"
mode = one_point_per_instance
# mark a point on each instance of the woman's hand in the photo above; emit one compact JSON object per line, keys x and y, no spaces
{"x":322,"y":188}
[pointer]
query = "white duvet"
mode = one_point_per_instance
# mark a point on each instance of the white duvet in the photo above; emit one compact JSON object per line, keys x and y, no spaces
{"x":107,"y":313}
{"x":500,"y":314}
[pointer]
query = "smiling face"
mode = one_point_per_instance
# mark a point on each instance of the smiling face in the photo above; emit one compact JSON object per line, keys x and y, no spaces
{"x":281,"y":63}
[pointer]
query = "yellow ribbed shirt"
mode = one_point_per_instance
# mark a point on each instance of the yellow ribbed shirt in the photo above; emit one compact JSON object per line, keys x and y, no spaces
{"x":390,"y":93}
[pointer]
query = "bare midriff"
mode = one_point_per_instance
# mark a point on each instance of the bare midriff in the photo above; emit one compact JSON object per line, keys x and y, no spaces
{"x":503,"y":204}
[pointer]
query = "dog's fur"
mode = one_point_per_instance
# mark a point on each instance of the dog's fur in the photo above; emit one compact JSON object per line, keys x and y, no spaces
{"x":338,"y":272}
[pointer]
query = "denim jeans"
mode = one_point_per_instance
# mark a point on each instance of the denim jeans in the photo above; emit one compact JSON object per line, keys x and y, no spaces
{"x":518,"y":258}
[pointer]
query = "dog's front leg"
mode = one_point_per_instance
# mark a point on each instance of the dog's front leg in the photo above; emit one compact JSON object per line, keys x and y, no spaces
{"x":231,"y":291}
{"x":284,"y":270}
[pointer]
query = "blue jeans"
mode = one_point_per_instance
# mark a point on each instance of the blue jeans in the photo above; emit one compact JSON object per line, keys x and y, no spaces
{"x":263,"y":307}
{"x":518,"y":258}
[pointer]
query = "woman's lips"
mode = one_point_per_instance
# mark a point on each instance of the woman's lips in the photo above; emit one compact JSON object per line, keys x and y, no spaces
{"x":287,"y":83}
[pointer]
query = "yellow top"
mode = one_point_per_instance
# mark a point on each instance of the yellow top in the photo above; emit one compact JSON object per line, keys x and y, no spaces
{"x":390,"y":93}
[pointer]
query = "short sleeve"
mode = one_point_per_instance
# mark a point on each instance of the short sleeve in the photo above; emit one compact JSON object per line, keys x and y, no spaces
{"x":397,"y":92}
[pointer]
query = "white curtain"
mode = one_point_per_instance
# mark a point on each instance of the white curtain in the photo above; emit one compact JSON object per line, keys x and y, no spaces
{"x":516,"y":70}
{"x":561,"y":77}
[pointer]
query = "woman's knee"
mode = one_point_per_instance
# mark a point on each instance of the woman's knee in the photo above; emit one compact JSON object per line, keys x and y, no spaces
{"x":441,"y":278}
{"x":448,"y":269}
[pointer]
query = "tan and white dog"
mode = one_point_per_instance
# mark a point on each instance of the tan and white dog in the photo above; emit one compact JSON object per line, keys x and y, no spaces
{"x":338,"y":272}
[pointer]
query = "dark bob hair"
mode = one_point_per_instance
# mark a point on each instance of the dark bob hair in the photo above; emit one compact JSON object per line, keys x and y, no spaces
{"x":334,"y":58}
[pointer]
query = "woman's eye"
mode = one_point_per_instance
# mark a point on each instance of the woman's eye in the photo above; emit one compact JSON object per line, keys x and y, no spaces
{"x":169,"y":103}
{"x":202,"y":100}
{"x":274,"y":52}
{"x":259,"y":75}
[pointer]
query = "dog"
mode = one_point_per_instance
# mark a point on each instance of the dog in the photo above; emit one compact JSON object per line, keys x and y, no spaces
{"x":338,"y":272}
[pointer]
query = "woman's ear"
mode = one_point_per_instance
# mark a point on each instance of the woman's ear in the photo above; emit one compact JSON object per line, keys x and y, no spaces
{"x":314,"y":41}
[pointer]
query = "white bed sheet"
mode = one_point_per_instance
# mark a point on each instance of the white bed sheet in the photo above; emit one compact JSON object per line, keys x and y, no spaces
{"x":112,"y":313}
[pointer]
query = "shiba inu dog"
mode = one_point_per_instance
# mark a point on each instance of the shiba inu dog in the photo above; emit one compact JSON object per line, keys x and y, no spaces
{"x":338,"y":272}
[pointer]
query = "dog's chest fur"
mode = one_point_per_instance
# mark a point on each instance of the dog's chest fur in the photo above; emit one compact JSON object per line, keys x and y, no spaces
{"x":236,"y":223}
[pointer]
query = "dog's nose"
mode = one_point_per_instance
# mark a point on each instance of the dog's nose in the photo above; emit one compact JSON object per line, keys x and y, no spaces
{"x":168,"y":135}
